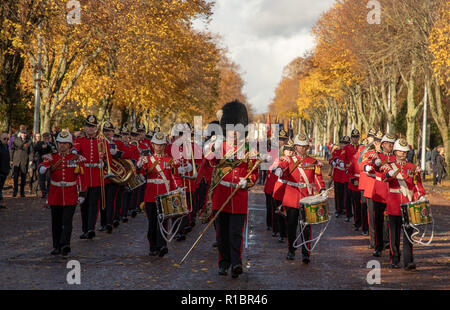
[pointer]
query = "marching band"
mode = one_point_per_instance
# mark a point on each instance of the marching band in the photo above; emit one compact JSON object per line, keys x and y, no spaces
{"x":118,"y":173}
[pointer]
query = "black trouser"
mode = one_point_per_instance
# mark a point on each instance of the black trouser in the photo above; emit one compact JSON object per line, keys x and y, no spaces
{"x":279,"y":221}
{"x":141,"y":196}
{"x":229,"y":229}
{"x":44,"y":182}
{"x":379,"y":209}
{"x":89,"y":209}
{"x":269,"y":210}
{"x":154,"y":236}
{"x":356,"y":202}
{"x":118,"y":202}
{"x":126,"y":197}
{"x":2,"y":184}
{"x":371,"y":221}
{"x":107,"y":214}
{"x":292,"y":219}
{"x":62,"y":217}
{"x":395,"y":229}
{"x":348,"y":205}
{"x":23,"y":179}
{"x":186,"y":220}
{"x":201,"y":196}
{"x":339,"y":197}
{"x":364,"y":218}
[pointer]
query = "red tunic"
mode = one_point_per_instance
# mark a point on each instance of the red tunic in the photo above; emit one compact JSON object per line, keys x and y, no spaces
{"x":412,"y":187}
{"x":161,"y":177}
{"x":353,"y":172}
{"x":297,"y":187}
{"x":181,"y":159}
{"x":88,"y":148}
{"x":339,"y":172}
{"x":271,"y":178}
{"x":66,"y":180}
{"x":380,"y":188}
{"x":239,"y":203}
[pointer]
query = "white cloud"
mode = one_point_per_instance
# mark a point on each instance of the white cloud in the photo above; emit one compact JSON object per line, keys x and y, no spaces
{"x":263,"y":36}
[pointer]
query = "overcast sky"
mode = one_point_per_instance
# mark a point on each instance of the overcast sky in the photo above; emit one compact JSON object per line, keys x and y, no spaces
{"x":263,"y":36}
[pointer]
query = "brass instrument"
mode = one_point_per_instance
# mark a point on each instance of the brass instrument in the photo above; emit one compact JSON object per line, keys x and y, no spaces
{"x":118,"y":170}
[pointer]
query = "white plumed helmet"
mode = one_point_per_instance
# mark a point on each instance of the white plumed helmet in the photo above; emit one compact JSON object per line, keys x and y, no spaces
{"x":301,"y":139}
{"x":401,"y":145}
{"x":64,"y":137}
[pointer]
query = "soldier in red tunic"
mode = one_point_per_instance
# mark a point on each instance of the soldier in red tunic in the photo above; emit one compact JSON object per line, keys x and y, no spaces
{"x":111,"y":188}
{"x":380,"y":190}
{"x":337,"y":160}
{"x":353,"y":201}
{"x":279,"y":214}
{"x":272,"y":219}
{"x":67,"y":189}
{"x":230,"y":173}
{"x":87,"y":148}
{"x":161,"y":179}
{"x":301,"y":174}
{"x":405,"y":185}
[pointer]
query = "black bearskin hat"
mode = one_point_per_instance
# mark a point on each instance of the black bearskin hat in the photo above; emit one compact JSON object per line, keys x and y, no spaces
{"x":233,"y":112}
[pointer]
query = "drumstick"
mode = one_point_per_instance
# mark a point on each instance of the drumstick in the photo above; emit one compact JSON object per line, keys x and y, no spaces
{"x":258,"y":162}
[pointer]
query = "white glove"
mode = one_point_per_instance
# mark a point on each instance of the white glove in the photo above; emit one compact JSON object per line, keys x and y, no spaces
{"x":188,"y":168}
{"x":113,"y":152}
{"x":368,"y":168}
{"x":242,"y":183}
{"x":80,"y":200}
{"x":342,"y":164}
{"x":333,"y":163}
{"x":181,"y":170}
{"x":278,"y":172}
{"x":81,"y":158}
{"x":391,"y":173}
{"x":142,"y":160}
{"x":324,"y":194}
{"x":423,"y":198}
{"x":378,"y":162}
{"x":42,"y":170}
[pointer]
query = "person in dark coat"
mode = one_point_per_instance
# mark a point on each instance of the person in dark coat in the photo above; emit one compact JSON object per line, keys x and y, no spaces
{"x":22,"y":156}
{"x":439,"y":170}
{"x":4,"y":163}
{"x":41,"y":148}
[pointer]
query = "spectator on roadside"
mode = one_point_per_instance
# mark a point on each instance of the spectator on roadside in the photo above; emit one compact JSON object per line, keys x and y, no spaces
{"x":439,"y":170}
{"x":41,"y":148}
{"x":428,"y":161}
{"x":33,"y":167}
{"x":4,"y":163}
{"x":21,"y":157}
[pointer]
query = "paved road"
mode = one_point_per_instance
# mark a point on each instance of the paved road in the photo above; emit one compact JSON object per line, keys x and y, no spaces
{"x":120,"y":260}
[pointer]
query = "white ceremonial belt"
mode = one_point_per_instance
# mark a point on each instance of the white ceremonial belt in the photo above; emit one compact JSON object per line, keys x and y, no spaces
{"x":94,"y":165}
{"x":228,"y":184}
{"x":395,"y":190}
{"x":301,"y":185}
{"x":378,"y":179}
{"x":158,"y":181}
{"x":63,"y":184}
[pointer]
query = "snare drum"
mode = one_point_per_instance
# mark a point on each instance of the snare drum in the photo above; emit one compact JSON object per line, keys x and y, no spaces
{"x":172,"y":204}
{"x":417,"y":212}
{"x":314,"y":209}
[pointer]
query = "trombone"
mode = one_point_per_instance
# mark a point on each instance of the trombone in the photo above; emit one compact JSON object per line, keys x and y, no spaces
{"x":102,"y":147}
